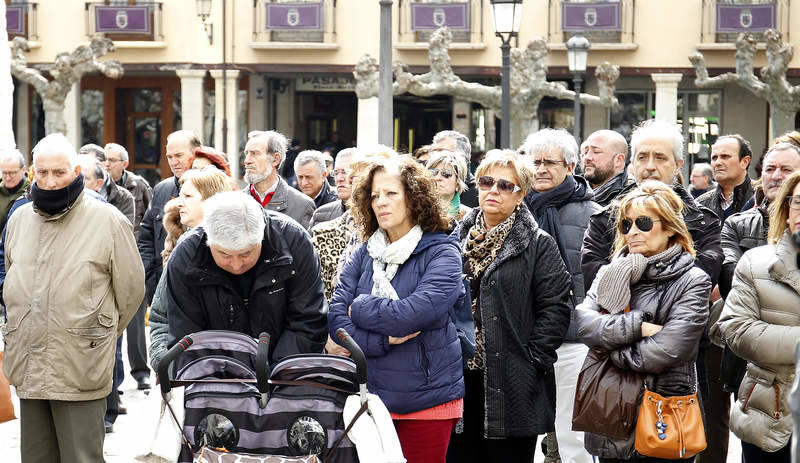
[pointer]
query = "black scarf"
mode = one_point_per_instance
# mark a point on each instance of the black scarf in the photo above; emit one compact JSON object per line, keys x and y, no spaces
{"x":54,"y":201}
{"x":545,"y":206}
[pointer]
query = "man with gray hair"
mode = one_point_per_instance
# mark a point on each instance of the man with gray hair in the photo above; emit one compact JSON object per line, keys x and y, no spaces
{"x":14,"y":181}
{"x":562,"y":202}
{"x":264,"y":155}
{"x":97,"y":180}
{"x":247,"y":270}
{"x":344,"y":186}
{"x":701,"y":179}
{"x":457,"y":142}
{"x":312,"y":177}
{"x":68,"y":296}
{"x":116,"y":164}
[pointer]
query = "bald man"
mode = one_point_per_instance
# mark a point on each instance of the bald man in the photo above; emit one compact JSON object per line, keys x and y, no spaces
{"x":604,"y":165}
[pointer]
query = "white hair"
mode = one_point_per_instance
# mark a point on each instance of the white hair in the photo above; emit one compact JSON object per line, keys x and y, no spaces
{"x":309,"y":156}
{"x":546,"y":140}
{"x":347,"y":153}
{"x":652,"y":128}
{"x":232,"y":220}
{"x":12,"y":155}
{"x":56,"y":143}
{"x":275,"y":142}
{"x":462,"y":141}
{"x":123,"y":153}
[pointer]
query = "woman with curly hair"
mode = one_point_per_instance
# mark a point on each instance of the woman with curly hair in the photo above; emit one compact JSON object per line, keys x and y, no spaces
{"x":393,"y":297}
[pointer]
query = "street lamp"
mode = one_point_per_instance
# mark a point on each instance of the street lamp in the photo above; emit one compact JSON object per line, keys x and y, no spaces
{"x":507,"y":14}
{"x":203,"y":12}
{"x":385,"y":93}
{"x":577,"y":55}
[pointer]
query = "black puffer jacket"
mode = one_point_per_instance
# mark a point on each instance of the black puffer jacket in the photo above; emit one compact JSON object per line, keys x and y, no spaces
{"x":672,"y":293}
{"x":525,"y":307}
{"x":151,"y":233}
{"x":701,"y":221}
{"x":740,"y":233}
{"x":614,"y":188}
{"x":285,"y":300}
{"x":712,"y":199}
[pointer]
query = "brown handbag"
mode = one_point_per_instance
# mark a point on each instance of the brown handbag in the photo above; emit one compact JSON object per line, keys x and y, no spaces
{"x":606,"y":397}
{"x":670,"y":427}
{"x":6,"y":405}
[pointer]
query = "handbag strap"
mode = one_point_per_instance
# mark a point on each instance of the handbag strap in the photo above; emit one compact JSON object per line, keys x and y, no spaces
{"x":177,"y":421}
{"x":360,"y":412}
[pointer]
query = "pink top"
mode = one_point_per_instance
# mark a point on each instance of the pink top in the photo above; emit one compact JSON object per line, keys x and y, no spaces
{"x":445,"y":411}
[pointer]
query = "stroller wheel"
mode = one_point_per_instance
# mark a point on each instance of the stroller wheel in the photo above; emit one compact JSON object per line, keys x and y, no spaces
{"x":216,"y":431}
{"x":307,"y":436}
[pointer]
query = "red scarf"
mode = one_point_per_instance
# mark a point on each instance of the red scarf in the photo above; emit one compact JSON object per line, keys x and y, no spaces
{"x":267,"y":198}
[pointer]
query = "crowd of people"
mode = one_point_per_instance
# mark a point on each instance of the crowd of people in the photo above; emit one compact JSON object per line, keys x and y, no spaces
{"x":482,"y":298}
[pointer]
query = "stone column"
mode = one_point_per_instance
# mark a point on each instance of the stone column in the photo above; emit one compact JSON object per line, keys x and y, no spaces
{"x":192,"y":99}
{"x":667,"y":96}
{"x":72,"y":115}
{"x":232,"y":113}
{"x":367,"y":123}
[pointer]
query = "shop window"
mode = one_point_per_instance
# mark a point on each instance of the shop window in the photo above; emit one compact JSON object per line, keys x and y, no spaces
{"x":177,"y":115}
{"x":37,"y":117}
{"x":92,"y":117}
{"x":633,"y":108}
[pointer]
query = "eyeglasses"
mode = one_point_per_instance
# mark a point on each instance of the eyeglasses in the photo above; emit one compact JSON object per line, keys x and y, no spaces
{"x":339,"y":172}
{"x":643,"y":224}
{"x":111,"y":160}
{"x":794,"y":202}
{"x":486,"y":183}
{"x":10,"y":173}
{"x":445,"y":172}
{"x":548,"y":163}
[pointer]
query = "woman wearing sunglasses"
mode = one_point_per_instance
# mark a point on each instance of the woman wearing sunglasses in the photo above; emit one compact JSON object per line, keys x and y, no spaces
{"x":394,"y":297}
{"x":520,"y":290}
{"x":761,"y":324}
{"x":647,"y":308}
{"x":449,"y":170}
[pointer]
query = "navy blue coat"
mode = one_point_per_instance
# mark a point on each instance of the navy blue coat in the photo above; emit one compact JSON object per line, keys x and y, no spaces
{"x":424,"y":371}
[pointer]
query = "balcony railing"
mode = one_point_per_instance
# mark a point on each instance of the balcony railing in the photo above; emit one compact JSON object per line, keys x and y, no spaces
{"x":723,"y":20}
{"x":142,"y":22}
{"x":420,"y":18}
{"x":602,"y":22}
{"x":22,"y":20}
{"x":294,"y":21}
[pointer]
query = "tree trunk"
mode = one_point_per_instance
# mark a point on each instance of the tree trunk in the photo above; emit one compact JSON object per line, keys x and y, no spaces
{"x":781,"y":121}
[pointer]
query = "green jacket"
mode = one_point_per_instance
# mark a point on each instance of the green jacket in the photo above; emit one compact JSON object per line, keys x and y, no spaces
{"x":7,"y":199}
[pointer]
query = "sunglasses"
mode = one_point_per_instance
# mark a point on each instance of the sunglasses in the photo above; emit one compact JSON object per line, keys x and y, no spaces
{"x":446,"y":173}
{"x":794,"y":202}
{"x":643,"y":224}
{"x":486,"y":183}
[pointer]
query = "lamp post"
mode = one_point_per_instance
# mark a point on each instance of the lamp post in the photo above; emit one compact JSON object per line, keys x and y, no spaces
{"x":577,"y":55}
{"x":507,"y":14}
{"x":385,"y":98}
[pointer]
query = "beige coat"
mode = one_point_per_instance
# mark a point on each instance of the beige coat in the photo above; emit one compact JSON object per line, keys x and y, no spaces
{"x":761,"y":324}
{"x":74,"y":281}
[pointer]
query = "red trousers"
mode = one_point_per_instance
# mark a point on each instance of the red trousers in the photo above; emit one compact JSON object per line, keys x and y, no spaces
{"x":424,"y":441}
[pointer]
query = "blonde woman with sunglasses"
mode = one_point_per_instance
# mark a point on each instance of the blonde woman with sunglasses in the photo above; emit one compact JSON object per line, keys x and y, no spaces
{"x":521,"y":307}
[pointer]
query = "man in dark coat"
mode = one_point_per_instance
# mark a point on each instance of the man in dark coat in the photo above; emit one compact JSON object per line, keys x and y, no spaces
{"x":250,"y":271}
{"x":14,"y":182}
{"x":604,"y":166}
{"x":312,"y":177}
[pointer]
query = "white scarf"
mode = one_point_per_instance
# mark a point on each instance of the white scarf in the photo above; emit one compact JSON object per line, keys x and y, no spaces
{"x":387,"y":258}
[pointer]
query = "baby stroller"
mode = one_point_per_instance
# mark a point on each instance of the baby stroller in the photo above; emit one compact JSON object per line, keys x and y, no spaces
{"x":234,"y":404}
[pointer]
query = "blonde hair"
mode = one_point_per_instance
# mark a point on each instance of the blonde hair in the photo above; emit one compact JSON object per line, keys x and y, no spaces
{"x":209,"y":181}
{"x":779,"y":209}
{"x":455,"y":161}
{"x":508,"y":159}
{"x":658,"y":198}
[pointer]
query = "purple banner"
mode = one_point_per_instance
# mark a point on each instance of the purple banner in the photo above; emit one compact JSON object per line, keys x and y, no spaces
{"x":591,"y":16}
{"x":126,"y":19}
{"x":745,"y":18}
{"x":294,"y":16}
{"x":15,"y":19}
{"x":431,"y":16}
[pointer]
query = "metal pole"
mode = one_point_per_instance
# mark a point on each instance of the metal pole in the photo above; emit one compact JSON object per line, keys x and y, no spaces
{"x":224,"y":82}
{"x":577,"y":79}
{"x":385,"y":98}
{"x":505,"y":124}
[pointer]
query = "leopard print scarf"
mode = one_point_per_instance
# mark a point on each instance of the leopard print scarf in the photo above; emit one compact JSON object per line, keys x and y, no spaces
{"x":480,"y":249}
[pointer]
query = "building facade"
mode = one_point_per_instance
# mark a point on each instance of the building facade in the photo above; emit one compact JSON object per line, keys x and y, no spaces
{"x":287,"y":65}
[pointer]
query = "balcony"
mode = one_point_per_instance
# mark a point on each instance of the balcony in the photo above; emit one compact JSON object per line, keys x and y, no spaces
{"x":294,"y":24}
{"x":723,"y":20}
{"x":130,"y":26}
{"x":418,"y":19}
{"x":609,"y":25}
{"x":22,"y":21}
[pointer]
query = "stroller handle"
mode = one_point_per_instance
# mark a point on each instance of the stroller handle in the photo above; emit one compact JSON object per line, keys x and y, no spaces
{"x":356,"y":354}
{"x":262,"y":363}
{"x":172,"y":354}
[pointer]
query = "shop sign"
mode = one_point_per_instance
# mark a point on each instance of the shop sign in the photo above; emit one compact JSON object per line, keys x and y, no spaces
{"x":431,"y":16}
{"x":591,"y":16}
{"x":15,"y":20}
{"x":745,"y":18}
{"x":342,"y":83}
{"x":127,"y":19}
{"x":294,"y":16}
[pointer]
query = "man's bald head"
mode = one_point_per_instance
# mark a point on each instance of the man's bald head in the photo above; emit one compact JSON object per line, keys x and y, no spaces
{"x":605,"y":156}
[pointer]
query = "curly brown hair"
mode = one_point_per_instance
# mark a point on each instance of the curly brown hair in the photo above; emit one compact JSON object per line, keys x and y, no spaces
{"x":424,"y":204}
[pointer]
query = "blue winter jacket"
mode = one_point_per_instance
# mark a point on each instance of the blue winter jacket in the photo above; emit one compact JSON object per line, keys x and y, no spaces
{"x":424,"y":371}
